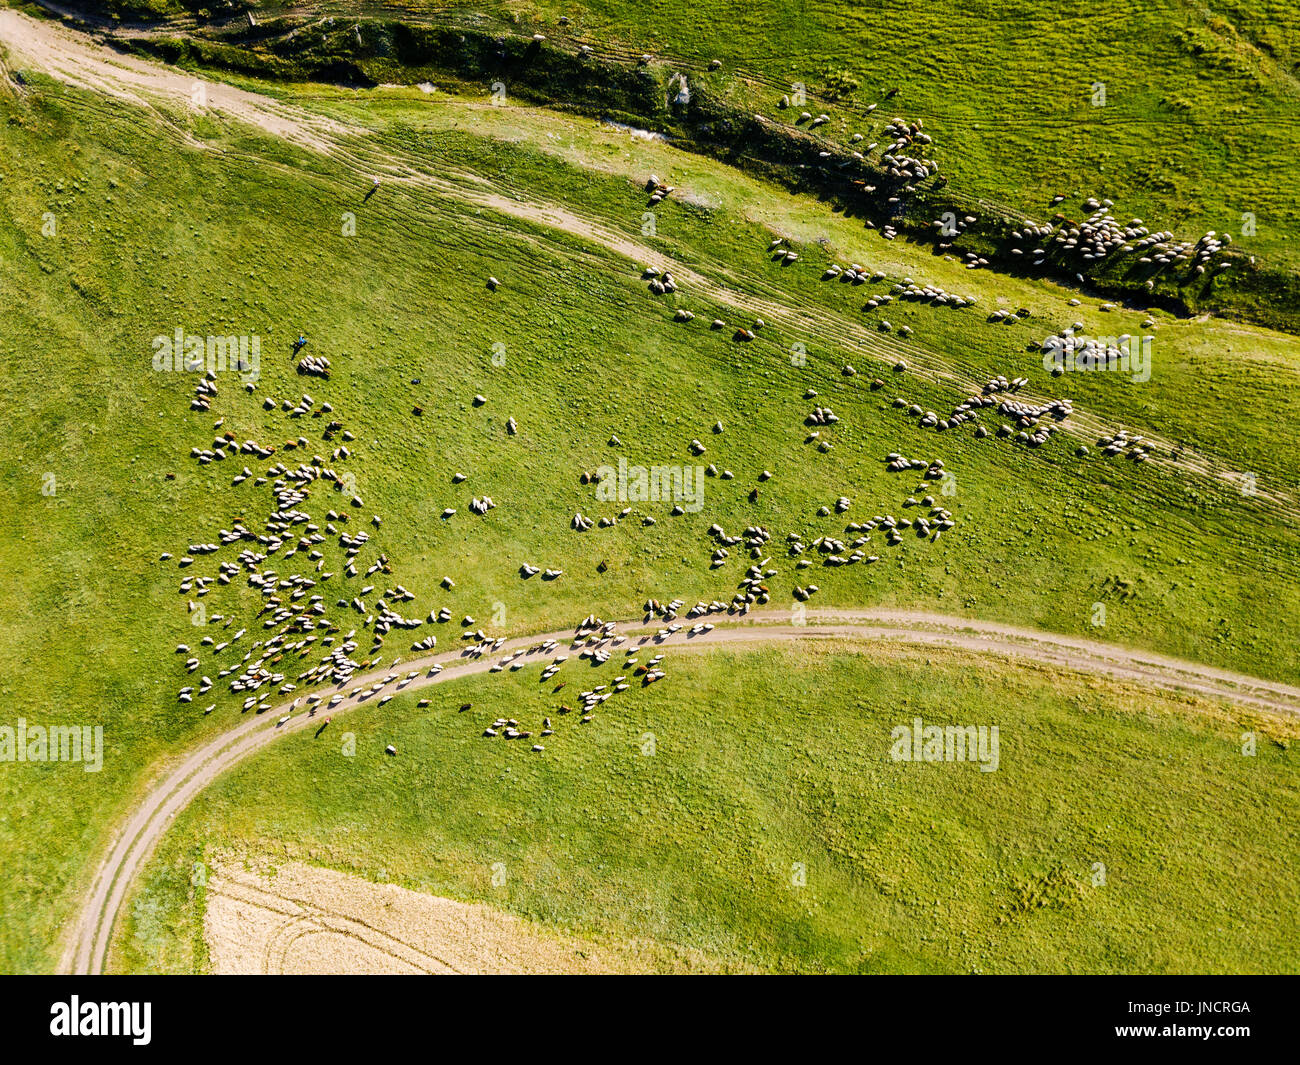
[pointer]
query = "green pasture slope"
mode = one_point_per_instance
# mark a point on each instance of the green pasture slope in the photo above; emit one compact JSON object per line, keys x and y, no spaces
{"x":1183,"y":113}
{"x":149,"y":235}
{"x":1121,"y":832}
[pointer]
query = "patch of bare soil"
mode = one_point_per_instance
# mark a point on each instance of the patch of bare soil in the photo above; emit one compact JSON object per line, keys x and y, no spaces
{"x":301,"y":919}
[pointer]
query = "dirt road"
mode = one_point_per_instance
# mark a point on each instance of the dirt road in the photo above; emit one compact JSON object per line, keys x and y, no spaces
{"x":89,"y":939}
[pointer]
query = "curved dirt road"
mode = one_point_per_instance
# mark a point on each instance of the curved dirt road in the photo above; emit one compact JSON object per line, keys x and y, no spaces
{"x":89,"y":940}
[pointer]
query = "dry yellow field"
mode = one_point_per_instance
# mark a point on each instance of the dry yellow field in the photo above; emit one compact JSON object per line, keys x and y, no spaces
{"x":301,"y":919}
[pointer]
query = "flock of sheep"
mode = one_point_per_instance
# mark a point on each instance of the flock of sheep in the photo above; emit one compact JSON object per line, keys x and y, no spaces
{"x":297,"y":618}
{"x":904,"y":165}
{"x":302,"y":642}
{"x":300,"y":622}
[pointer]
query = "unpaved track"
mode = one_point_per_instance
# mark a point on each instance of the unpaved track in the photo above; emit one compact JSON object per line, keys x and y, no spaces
{"x":89,"y":939}
{"x":79,"y":61}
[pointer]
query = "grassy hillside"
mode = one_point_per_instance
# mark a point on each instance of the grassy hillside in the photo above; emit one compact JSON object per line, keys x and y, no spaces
{"x":1180,"y":112}
{"x":682,"y":812}
{"x":123,"y":224}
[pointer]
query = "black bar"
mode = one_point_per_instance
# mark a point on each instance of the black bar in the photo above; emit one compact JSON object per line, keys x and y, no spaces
{"x":382,"y":1015}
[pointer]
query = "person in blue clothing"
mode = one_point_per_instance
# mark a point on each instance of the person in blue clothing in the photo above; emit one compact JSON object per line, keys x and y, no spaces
{"x":299,"y":344}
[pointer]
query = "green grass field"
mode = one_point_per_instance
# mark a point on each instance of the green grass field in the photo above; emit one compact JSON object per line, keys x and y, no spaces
{"x":1180,"y":112}
{"x":124,"y":224}
{"x":1121,"y":832}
